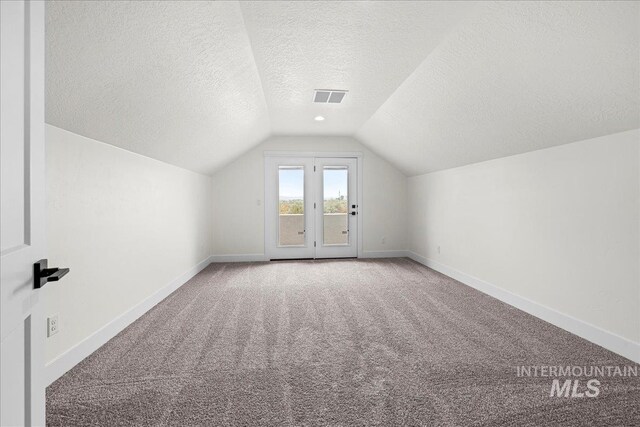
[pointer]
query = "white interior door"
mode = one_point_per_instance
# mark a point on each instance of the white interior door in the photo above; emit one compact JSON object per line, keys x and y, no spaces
{"x":311,"y":207}
{"x":22,"y":398}
{"x":336,"y":207}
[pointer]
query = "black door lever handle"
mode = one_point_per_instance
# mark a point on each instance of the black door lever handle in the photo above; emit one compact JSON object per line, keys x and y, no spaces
{"x":57,"y":274}
{"x":42,"y":274}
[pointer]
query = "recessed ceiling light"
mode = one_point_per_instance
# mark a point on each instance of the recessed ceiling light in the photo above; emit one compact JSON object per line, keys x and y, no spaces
{"x":318,"y":118}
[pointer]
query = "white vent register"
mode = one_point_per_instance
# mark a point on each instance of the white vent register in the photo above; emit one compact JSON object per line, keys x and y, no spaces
{"x":329,"y":96}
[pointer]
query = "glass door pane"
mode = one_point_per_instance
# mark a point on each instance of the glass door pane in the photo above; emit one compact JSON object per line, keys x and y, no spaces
{"x":335,"y":221}
{"x":291,"y":219}
{"x":289,"y":207}
{"x":336,"y":184}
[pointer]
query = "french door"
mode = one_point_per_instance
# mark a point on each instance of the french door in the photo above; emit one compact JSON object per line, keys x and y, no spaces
{"x":311,"y":207}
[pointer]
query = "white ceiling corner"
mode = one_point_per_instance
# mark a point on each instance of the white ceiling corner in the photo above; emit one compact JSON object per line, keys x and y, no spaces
{"x":175,"y":81}
{"x":517,"y":77}
{"x":432,"y":85}
{"x":367,"y":48}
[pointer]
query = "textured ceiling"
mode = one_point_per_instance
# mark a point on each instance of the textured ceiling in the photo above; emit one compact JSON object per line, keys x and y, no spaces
{"x":368,"y":48}
{"x":517,"y":77}
{"x":432,"y":85}
{"x":175,"y":81}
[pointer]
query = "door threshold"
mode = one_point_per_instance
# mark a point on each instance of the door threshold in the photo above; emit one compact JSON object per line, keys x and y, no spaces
{"x":310,"y":259}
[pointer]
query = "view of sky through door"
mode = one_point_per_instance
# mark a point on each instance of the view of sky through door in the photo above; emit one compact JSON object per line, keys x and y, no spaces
{"x":291,"y":205}
{"x":335,"y":211}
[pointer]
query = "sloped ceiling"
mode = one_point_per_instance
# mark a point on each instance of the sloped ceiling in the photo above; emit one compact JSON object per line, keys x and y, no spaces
{"x":175,"y":81}
{"x":517,"y":77}
{"x":432,"y":85}
{"x":368,"y":48}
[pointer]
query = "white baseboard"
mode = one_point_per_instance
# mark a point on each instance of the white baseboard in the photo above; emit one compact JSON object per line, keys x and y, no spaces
{"x":384,"y":254}
{"x":67,"y":360}
{"x":240,"y":258}
{"x":608,"y":340}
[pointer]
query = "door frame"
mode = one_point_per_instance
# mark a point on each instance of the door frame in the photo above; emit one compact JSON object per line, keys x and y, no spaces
{"x":358,"y":155}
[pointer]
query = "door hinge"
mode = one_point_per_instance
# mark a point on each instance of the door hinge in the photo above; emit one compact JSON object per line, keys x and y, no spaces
{"x":314,"y":205}
{"x":314,"y":244}
{"x":314,"y":168}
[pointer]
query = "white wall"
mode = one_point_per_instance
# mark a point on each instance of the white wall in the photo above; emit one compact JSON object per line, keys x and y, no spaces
{"x":557,"y":226}
{"x":239,"y":219}
{"x":125,"y":224}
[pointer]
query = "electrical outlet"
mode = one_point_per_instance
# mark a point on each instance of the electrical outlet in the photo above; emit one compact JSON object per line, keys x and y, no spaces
{"x":438,"y":249}
{"x":53,"y":325}
{"x":383,"y":240}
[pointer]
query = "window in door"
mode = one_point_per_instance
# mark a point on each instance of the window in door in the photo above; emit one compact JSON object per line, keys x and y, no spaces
{"x":291,"y":215}
{"x":311,"y":207}
{"x":335,"y":219}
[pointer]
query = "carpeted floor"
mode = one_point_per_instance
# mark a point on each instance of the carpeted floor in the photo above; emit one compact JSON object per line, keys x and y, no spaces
{"x":353,"y":342}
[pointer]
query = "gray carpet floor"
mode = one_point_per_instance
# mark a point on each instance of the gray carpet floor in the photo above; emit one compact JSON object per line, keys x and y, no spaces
{"x":354,"y":342}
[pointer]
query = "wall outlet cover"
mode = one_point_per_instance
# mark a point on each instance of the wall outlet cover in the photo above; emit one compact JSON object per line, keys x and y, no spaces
{"x":53,"y":325}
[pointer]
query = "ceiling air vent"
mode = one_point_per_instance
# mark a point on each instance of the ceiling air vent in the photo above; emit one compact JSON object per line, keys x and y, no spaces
{"x":329,"y":96}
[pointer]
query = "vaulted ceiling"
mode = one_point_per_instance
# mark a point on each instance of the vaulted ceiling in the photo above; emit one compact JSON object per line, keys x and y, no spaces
{"x":432,"y":85}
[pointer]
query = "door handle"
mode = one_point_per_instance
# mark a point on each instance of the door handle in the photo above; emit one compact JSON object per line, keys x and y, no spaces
{"x":43,"y":274}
